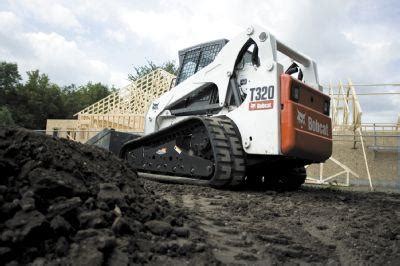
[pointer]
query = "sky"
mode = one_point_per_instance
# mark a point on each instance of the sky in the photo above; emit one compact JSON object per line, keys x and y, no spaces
{"x":102,"y":40}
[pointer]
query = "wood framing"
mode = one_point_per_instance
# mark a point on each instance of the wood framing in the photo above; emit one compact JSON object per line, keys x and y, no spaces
{"x":134,"y":98}
{"x":325,"y":180}
{"x":346,"y":110}
{"x":123,"y":110}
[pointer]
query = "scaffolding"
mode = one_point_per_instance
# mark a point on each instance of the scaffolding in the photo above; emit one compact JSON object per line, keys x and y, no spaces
{"x":347,"y":126}
{"x":346,"y":110}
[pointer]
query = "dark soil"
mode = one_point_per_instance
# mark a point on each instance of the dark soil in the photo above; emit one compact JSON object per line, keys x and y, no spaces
{"x":66,"y":203}
{"x":309,"y":226}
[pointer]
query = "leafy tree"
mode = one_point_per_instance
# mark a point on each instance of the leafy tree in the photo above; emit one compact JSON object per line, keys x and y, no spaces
{"x":9,"y":79}
{"x":141,"y":71}
{"x":39,"y":100}
{"x":77,"y":98}
{"x":31,"y":103}
{"x":5,"y":117}
{"x":92,"y":92}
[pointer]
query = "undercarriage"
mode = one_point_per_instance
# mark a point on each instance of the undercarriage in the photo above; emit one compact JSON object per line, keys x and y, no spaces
{"x":208,"y":151}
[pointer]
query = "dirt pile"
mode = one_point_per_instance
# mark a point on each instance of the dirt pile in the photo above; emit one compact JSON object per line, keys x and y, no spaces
{"x":67,"y":203}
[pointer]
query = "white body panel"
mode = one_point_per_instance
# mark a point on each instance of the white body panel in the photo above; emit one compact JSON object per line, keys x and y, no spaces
{"x":259,"y":129}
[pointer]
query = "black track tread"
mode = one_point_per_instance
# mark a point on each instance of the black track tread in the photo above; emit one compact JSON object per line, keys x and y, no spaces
{"x":237,"y":163}
{"x":229,"y":158}
{"x":229,"y":152}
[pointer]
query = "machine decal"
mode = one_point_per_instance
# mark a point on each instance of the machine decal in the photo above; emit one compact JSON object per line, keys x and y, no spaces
{"x":301,"y":118}
{"x":162,"y":151}
{"x":313,"y":125}
{"x":262,"y":93}
{"x":261,"y":105}
{"x":261,"y":98}
{"x":177,"y":149}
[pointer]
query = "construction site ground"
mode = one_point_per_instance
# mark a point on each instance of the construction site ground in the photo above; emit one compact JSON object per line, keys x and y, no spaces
{"x":312,"y":225}
{"x":67,"y":203}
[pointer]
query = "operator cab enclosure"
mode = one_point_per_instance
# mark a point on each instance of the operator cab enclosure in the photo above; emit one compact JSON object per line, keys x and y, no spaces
{"x":194,"y":58}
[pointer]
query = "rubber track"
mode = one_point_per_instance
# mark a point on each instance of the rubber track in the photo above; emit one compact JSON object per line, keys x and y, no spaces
{"x":237,"y":162}
{"x":228,"y":153}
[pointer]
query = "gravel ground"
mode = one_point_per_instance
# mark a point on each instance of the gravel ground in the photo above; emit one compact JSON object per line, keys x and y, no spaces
{"x":309,"y":226}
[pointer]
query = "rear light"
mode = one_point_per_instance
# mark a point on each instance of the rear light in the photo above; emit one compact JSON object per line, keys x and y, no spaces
{"x":295,"y":94}
{"x":326,"y":107}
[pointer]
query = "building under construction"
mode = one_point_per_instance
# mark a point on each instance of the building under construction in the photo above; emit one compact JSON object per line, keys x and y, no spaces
{"x":123,"y":110}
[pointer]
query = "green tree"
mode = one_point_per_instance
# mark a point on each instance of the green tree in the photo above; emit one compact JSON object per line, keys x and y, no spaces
{"x":141,"y":71}
{"x":5,"y":117}
{"x":9,"y":80}
{"x":92,"y":92}
{"x":77,"y":98}
{"x":39,"y":100}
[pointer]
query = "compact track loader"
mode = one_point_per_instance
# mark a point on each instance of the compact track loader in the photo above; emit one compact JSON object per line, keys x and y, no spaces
{"x":236,"y":116}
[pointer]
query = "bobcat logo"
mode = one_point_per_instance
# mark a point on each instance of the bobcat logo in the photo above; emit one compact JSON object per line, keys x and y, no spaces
{"x":301,"y":118}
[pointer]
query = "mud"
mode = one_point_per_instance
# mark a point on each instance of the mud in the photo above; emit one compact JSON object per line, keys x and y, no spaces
{"x":65,"y":203}
{"x":309,"y":226}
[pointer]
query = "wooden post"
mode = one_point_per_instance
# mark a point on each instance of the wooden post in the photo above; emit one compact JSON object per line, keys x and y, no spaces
{"x":321,"y":170}
{"x":366,"y":161}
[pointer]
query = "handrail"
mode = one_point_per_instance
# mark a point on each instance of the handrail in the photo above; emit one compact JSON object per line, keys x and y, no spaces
{"x":297,"y":56}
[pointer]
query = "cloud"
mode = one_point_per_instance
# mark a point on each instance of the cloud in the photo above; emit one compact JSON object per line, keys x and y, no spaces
{"x":66,"y":57}
{"x":9,"y":21}
{"x":52,"y":53}
{"x":326,"y":31}
{"x":75,"y":41}
{"x":49,"y":12}
{"x":116,"y":35}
